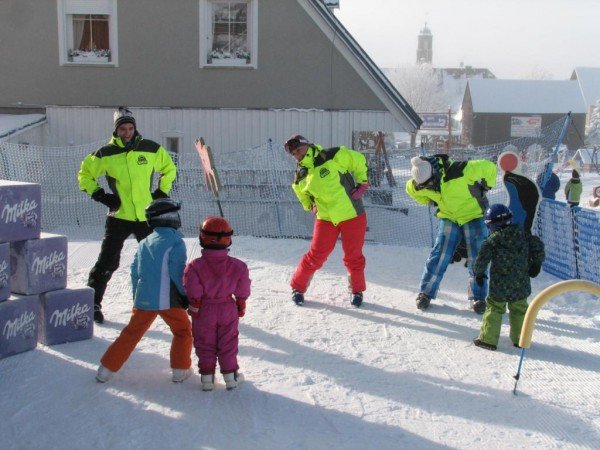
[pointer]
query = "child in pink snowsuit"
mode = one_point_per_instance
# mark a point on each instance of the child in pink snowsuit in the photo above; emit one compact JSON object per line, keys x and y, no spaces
{"x":217,"y":286}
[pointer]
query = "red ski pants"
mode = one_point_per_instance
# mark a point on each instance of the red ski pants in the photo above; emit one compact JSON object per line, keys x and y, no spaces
{"x":325,"y":235}
{"x":181,"y":345}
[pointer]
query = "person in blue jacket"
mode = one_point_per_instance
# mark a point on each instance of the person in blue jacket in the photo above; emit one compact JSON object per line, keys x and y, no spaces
{"x":157,"y":282}
{"x":551,"y":185}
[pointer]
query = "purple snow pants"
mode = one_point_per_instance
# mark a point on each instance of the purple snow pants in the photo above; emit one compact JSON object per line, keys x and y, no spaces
{"x":216,"y":336}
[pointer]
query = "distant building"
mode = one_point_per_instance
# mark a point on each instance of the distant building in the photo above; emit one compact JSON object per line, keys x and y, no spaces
{"x":491,"y":108}
{"x":425,"y":46}
{"x":589,"y":83}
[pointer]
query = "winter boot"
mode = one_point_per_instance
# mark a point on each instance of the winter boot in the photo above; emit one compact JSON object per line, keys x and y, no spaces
{"x":357,"y":299}
{"x":478,"y":306}
{"x":179,"y":375}
{"x":423,"y":301}
{"x":208,"y":382}
{"x":298,"y":297}
{"x":232,"y":379}
{"x":103,"y":374}
{"x":98,"y":316}
{"x":479,"y":343}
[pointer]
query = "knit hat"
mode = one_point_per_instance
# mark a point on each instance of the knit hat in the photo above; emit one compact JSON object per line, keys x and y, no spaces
{"x":123,"y":115}
{"x":575,"y":174}
{"x":421,"y":170}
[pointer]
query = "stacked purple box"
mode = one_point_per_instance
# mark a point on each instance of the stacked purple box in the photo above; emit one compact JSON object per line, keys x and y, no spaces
{"x":20,"y":210}
{"x":39,"y":265}
{"x":18,"y":324}
{"x":4,"y":271}
{"x":66,"y":315}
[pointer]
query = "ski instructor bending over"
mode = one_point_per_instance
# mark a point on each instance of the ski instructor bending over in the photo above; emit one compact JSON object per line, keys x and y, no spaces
{"x":458,"y":190}
{"x":331,"y":183}
{"x":128,"y":162}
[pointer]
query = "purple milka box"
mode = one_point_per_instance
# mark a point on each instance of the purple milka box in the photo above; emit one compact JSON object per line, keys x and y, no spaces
{"x":18,"y":324}
{"x":20,"y":210}
{"x":66,"y":315}
{"x":38,"y":265}
{"x":4,"y":271}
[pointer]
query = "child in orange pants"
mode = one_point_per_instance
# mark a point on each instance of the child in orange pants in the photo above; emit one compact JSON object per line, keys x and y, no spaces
{"x":157,"y":281}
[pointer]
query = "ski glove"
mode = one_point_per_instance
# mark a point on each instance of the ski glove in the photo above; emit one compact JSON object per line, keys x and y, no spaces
{"x":241,"y":306}
{"x":534,"y":270}
{"x":159,"y":194}
{"x":358,"y":191}
{"x":194,"y":308}
{"x":479,"y":279}
{"x":111,"y":200}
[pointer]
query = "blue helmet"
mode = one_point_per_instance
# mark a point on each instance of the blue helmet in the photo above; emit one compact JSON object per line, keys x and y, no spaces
{"x":497,"y":216}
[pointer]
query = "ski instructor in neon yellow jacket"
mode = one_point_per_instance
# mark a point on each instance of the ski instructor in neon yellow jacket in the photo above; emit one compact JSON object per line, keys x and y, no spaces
{"x":128,"y":161}
{"x":331,"y":183}
{"x":458,"y":190}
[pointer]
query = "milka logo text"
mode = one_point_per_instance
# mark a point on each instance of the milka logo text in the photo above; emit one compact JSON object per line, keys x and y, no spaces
{"x":12,"y":213}
{"x":41,"y":265}
{"x":24,"y":324}
{"x":61,"y":318}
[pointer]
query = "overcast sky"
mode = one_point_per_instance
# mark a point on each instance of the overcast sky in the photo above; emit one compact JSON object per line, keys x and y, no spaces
{"x":512,"y":38}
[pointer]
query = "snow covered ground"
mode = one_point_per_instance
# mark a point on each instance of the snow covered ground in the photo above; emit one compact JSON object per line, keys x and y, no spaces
{"x":319,"y":377}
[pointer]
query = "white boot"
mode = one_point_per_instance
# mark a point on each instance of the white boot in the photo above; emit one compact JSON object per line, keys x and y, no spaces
{"x":232,"y":380}
{"x":179,"y":375}
{"x":103,"y":374}
{"x":208,"y":382}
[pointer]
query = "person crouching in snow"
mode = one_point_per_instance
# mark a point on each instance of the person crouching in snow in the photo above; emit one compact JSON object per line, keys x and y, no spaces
{"x":217,"y":286}
{"x":157,"y":282}
{"x":331,"y":183}
{"x":515,"y":256}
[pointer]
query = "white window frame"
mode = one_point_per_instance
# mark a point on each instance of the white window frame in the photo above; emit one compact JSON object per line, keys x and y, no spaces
{"x":206,"y":36}
{"x":66,"y":9}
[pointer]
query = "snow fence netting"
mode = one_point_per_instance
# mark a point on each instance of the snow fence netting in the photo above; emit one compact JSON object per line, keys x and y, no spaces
{"x":257,"y":199}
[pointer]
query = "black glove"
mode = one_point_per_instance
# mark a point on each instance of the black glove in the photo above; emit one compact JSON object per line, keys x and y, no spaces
{"x":185,"y":303}
{"x":479,"y":279}
{"x":111,"y":200}
{"x":534,"y":270}
{"x":159,"y":194}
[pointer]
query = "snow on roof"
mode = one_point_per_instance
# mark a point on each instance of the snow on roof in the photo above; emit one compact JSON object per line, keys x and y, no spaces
{"x":454,"y":82}
{"x":11,"y":123}
{"x":589,"y":83}
{"x":526,"y":96}
{"x":585,"y":156}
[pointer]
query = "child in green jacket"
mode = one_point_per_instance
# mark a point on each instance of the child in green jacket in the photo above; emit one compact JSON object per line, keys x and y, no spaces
{"x":573,"y":189}
{"x":515,"y":256}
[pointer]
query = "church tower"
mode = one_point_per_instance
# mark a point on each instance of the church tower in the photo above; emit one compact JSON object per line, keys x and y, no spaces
{"x":424,"y":47}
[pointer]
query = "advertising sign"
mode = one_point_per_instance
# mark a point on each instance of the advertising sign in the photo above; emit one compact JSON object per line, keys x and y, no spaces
{"x":434,"y":121}
{"x":525,"y":126}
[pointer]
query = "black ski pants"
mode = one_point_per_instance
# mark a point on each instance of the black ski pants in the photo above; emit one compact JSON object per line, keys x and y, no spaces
{"x":115,"y":233}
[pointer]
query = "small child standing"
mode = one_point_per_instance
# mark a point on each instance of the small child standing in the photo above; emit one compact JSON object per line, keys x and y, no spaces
{"x":217,"y":286}
{"x":157,"y":282}
{"x":573,"y":189}
{"x":515,"y":256}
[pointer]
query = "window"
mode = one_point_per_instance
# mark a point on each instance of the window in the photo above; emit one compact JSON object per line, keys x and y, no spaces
{"x":87,"y":32}
{"x":228,"y":33}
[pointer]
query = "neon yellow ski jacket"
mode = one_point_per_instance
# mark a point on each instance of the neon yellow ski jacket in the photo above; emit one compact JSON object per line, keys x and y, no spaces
{"x":460,"y":194}
{"x":129,"y":173}
{"x":326,"y":177}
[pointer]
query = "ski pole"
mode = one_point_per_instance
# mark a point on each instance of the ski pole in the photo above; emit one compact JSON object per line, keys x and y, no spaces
{"x":518,"y":375}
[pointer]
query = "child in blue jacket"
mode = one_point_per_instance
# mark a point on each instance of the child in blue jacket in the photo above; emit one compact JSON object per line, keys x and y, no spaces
{"x":157,"y":282}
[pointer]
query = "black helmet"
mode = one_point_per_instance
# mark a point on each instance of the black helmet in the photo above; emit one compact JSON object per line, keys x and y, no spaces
{"x":497,"y":216}
{"x":163,"y":212}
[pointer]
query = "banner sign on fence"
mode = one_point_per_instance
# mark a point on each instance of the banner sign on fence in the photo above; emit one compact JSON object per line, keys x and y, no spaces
{"x":525,"y":126}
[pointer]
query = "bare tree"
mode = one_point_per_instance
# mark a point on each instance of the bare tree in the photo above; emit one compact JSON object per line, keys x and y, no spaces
{"x":539,"y":73}
{"x":592,"y":131}
{"x":420,"y":86}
